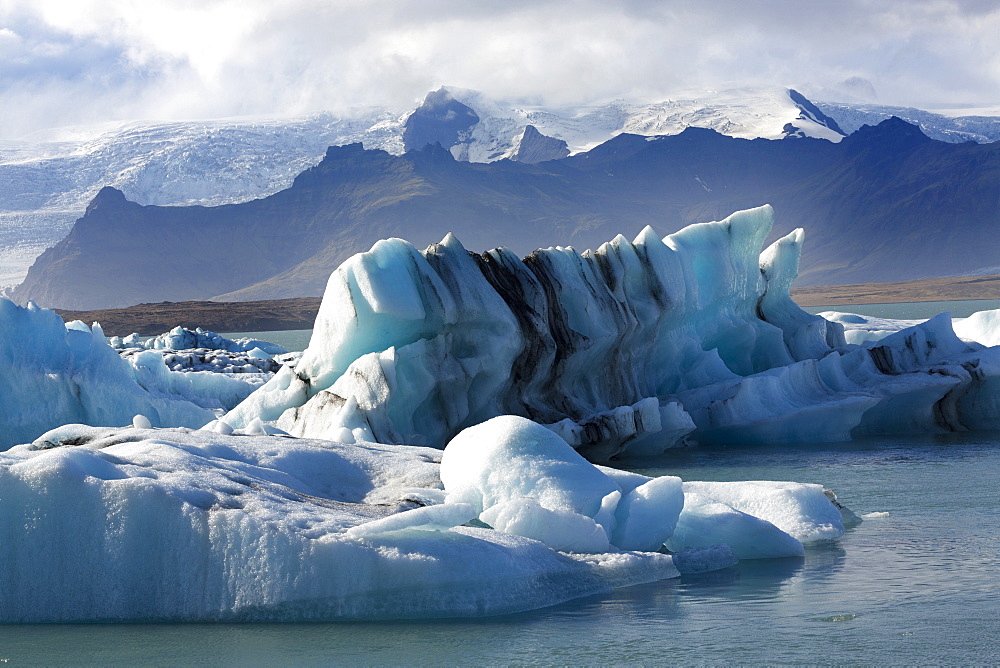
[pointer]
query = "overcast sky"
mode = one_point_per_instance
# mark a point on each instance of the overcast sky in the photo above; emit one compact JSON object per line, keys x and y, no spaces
{"x":83,"y":61}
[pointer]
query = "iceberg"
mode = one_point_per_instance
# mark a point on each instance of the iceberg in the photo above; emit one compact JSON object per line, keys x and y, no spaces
{"x":173,"y":524}
{"x":432,"y":451}
{"x":860,"y":329}
{"x":218,"y":373}
{"x":522,"y":478}
{"x":143,"y":524}
{"x":801,"y":510}
{"x":705,"y":522}
{"x":632,"y":348}
{"x":982,"y":327}
{"x":182,"y":338}
{"x":53,"y":373}
{"x":217,"y":384}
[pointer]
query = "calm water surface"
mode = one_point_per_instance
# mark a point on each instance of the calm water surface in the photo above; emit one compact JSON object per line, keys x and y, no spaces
{"x":914,"y":310}
{"x":291,"y":339}
{"x":919,"y":586}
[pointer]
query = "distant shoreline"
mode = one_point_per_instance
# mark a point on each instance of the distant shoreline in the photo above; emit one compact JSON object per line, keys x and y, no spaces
{"x":150,"y":319}
{"x":300,"y":313}
{"x":954,"y":288}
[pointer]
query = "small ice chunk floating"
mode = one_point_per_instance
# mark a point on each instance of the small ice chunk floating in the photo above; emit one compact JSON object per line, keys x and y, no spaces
{"x":633,"y":348}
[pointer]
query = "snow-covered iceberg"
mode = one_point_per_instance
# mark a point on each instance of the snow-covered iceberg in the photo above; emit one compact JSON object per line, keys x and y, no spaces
{"x":139,"y":524}
{"x":635,"y":347}
{"x":862,"y":329}
{"x":102,"y":524}
{"x":216,"y":372}
{"x":211,"y":379}
{"x":982,"y":327}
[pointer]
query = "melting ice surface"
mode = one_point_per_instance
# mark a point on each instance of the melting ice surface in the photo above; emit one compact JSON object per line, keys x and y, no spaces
{"x":312,"y":499}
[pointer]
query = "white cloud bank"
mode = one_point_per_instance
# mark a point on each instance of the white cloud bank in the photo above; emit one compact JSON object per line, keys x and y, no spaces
{"x":84,"y":61}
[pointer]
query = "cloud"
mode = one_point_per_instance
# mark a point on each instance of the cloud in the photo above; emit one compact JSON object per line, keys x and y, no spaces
{"x":65,"y":61}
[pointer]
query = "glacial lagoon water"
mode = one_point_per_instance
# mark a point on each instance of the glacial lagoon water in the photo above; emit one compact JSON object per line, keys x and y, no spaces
{"x":917,"y":582}
{"x":914,"y":310}
{"x":294,"y":340}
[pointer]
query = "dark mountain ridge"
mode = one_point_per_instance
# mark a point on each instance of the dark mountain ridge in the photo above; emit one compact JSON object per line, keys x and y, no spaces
{"x":885,"y":204}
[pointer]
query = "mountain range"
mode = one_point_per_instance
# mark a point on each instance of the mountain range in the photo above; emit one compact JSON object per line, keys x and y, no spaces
{"x":885,"y":203}
{"x":47,"y":180}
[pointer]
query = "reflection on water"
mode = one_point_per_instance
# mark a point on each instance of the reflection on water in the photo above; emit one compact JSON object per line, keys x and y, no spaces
{"x":919,"y":586}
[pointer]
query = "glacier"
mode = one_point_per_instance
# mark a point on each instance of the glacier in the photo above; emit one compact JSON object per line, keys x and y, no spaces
{"x":629,"y":349}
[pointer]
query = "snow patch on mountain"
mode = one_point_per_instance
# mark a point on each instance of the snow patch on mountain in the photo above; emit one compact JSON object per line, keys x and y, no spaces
{"x":46,"y":185}
{"x":955,"y":126}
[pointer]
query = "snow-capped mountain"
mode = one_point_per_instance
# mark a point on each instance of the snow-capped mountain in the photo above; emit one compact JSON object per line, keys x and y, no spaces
{"x":45,"y":184}
{"x":749,"y":113}
{"x":953,"y":126}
